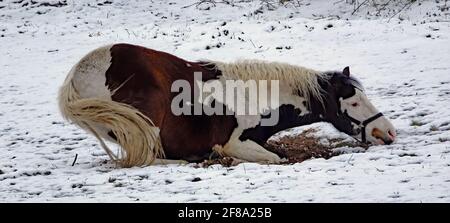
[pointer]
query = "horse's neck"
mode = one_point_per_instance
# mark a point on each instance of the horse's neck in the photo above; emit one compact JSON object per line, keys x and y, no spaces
{"x":289,"y":117}
{"x":291,"y":114}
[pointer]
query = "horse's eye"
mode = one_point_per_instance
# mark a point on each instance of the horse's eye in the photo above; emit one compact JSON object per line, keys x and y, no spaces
{"x":355,"y":104}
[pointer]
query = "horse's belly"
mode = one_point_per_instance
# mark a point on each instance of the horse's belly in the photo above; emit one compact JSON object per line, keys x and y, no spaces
{"x":192,"y":138}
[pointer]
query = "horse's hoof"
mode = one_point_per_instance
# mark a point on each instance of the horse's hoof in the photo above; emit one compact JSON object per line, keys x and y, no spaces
{"x":183,"y":162}
{"x":275,"y":159}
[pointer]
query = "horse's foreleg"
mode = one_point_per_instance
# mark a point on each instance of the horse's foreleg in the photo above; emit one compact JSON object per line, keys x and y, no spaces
{"x":166,"y":161}
{"x":249,"y":151}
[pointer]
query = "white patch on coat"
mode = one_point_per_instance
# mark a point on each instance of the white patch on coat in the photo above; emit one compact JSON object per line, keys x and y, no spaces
{"x":89,"y":79}
{"x":90,"y":72}
{"x":246,"y":150}
{"x":363,"y":109}
{"x":286,"y":96}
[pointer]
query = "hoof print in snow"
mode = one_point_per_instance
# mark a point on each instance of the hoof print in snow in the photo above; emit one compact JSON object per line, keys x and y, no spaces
{"x":36,"y":173}
{"x":118,"y":184}
{"x":328,"y":26}
{"x":416,"y":123}
{"x":218,"y":45}
{"x":104,"y":3}
{"x":270,"y":29}
{"x":283,"y":47}
{"x":77,"y":185}
{"x":168,"y":182}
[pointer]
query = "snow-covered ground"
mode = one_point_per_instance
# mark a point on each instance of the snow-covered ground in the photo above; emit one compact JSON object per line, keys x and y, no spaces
{"x":402,"y":59}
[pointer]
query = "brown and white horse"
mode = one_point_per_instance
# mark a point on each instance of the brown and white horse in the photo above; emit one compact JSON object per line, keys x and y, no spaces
{"x":123,"y":93}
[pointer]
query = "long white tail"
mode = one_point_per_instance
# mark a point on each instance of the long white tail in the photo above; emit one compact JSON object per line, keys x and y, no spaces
{"x":135,"y":133}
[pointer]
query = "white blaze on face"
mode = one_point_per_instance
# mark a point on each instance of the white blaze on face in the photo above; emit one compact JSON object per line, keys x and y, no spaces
{"x":379,"y":131}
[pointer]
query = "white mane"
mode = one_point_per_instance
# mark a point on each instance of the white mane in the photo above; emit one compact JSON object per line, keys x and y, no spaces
{"x":300,"y":79}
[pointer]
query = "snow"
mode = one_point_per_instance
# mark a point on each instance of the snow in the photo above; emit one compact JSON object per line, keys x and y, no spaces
{"x":402,"y":61}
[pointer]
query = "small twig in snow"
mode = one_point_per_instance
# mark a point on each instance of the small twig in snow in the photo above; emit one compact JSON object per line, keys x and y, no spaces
{"x":359,"y":6}
{"x":383,"y":6}
{"x":350,"y":159}
{"x":75,"y":160}
{"x":252,"y":43}
{"x":412,"y":2}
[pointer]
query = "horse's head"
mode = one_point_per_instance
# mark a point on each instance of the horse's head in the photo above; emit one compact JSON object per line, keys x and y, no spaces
{"x":349,"y":110}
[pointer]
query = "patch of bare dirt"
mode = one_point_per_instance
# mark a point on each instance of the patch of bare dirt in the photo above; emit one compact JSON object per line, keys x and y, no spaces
{"x":306,"y":146}
{"x":224,"y":161}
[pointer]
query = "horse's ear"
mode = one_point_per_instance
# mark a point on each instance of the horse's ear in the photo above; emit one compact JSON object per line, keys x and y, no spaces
{"x":346,"y":71}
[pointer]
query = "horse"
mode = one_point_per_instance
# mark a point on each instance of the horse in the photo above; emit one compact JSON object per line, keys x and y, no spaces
{"x":123,"y":93}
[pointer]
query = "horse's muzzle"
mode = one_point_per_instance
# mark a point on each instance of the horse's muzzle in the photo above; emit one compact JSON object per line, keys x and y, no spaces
{"x":385,"y":138}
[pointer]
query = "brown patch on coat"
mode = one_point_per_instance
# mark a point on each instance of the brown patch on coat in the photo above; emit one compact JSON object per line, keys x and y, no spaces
{"x":143,"y":78}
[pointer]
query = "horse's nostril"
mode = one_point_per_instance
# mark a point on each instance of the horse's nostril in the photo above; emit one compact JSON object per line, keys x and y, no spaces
{"x":391,"y":134}
{"x":387,"y":137}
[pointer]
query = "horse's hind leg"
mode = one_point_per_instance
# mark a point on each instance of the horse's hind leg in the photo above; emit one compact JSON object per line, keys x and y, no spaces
{"x":249,"y":151}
